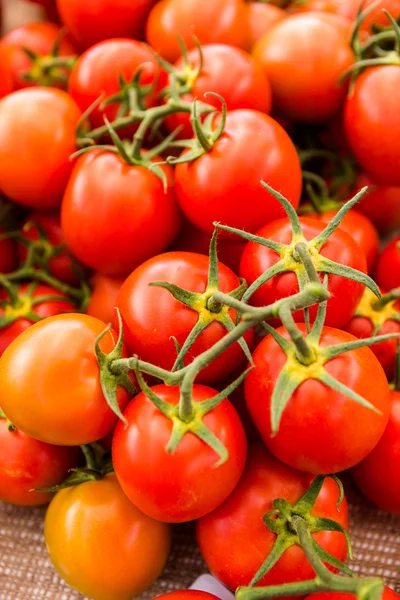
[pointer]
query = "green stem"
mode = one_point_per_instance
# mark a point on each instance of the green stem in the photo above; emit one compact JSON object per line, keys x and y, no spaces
{"x":78,"y":294}
{"x":379,"y":304}
{"x":11,"y":289}
{"x":304,"y":255}
{"x":304,"y":352}
{"x":89,"y":457}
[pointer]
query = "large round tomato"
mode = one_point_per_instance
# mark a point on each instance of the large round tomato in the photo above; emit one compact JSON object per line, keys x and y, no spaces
{"x":381,"y":205}
{"x":388,"y":267}
{"x":151,"y":315}
{"x":50,"y":385}
{"x":346,"y":294}
{"x":261,"y":18}
{"x":27,"y":464}
{"x":8,"y":253}
{"x":187,"y":483}
{"x":114,"y":215}
{"x":92,"y":21}
{"x":304,"y":70}
{"x":96,"y":520}
{"x":371,"y":107}
{"x":224,"y":184}
{"x":216,"y":21}
{"x":37,"y":137}
{"x":321,"y":430}
{"x":238,"y":524}
{"x":102,"y":301}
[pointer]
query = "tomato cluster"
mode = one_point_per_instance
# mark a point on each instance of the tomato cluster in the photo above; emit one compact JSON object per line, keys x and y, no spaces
{"x":198,"y":244}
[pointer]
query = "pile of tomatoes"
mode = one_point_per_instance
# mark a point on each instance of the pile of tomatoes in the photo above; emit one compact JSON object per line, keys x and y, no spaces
{"x":200,"y":206}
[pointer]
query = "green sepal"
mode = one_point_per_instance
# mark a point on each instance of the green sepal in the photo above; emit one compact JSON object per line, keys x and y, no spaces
{"x":184,"y":296}
{"x":338,"y":349}
{"x":325,"y":265}
{"x":251,"y":237}
{"x":286,"y":384}
{"x":332,"y":560}
{"x":341,"y":388}
{"x":288,"y":208}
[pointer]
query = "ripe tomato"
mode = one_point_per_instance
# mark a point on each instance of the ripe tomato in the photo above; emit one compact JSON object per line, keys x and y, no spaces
{"x":262,"y":17}
{"x":388,"y":267}
{"x":376,"y":475}
{"x":253,"y":147}
{"x":304,"y":70}
{"x":61,"y":266}
{"x":6,"y":79}
{"x":147,"y":310}
{"x":26,"y":464}
{"x":388,"y":594}
{"x":381,"y":205}
{"x":238,"y":524}
{"x":55,"y":359}
{"x":8,"y":254}
{"x":92,"y":21}
{"x":187,"y":483}
{"x":346,"y":294}
{"x":371,"y":106}
{"x":321,"y":430}
{"x":187,"y":595}
{"x":96,"y":519}
{"x":42,"y":121}
{"x":216,"y":21}
{"x":105,"y":290}
{"x":114,"y":215}
{"x":350,"y":8}
{"x":29,"y":309}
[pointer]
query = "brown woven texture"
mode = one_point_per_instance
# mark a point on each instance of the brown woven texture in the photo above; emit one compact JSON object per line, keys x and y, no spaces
{"x":27,"y":574}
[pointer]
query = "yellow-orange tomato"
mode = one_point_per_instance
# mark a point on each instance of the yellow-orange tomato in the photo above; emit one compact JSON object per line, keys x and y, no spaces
{"x":105,"y":291}
{"x":101,"y":544}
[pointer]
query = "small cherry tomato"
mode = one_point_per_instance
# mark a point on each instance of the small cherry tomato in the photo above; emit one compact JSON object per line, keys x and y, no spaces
{"x":262,"y":17}
{"x":105,"y":289}
{"x":387,"y":271}
{"x":381,"y":205}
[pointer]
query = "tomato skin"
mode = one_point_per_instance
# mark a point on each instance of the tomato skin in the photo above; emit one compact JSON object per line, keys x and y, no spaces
{"x":104,"y":295}
{"x":320,"y":429}
{"x":381,"y":205}
{"x":186,"y":484}
{"x":349,"y":10}
{"x":92,"y":21}
{"x":387,"y":272}
{"x":8,"y":254}
{"x":42,"y":121}
{"x":304,"y":69}
{"x":26,"y":463}
{"x":340,"y":247}
{"x":376,"y":475}
{"x":388,"y":594}
{"x":237,"y":524}
{"x":95,"y":519}
{"x":371,"y":106}
{"x":187,"y":595}
{"x":57,"y":354}
{"x":253,"y":147}
{"x":262,"y":18}
{"x":108,"y":203}
{"x":188,"y":18}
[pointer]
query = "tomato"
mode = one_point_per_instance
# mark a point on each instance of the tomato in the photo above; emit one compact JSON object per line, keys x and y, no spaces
{"x":321,"y":430}
{"x":192,"y":18}
{"x":388,"y":594}
{"x":304,"y":70}
{"x":228,"y":71}
{"x":26,"y":464}
{"x":53,"y":364}
{"x":94,"y":535}
{"x":147,"y":309}
{"x":8,"y":253}
{"x":187,"y":595}
{"x":29,"y":309}
{"x":104,"y":295}
{"x":42,"y":122}
{"x":92,"y":21}
{"x":376,"y":475}
{"x":6,"y":78}
{"x":41,"y":39}
{"x":238,"y":524}
{"x":61,"y":266}
{"x":388,"y":267}
{"x":346,"y":294}
{"x":98,"y":71}
{"x":262,"y":17}
{"x":371,"y":107}
{"x":253,"y":147}
{"x":115,"y":215}
{"x":187,"y":483}
{"x":381,"y":205}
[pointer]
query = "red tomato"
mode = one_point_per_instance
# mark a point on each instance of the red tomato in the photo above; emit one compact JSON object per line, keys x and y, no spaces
{"x":6,"y":78}
{"x":104,"y":295}
{"x":114,"y":215}
{"x":187,"y":595}
{"x":377,"y":474}
{"x":148,"y":309}
{"x":28,"y":312}
{"x":95,"y":20}
{"x":253,"y":147}
{"x":388,"y":268}
{"x":381,"y":205}
{"x":228,"y":71}
{"x":388,"y":594}
{"x":321,"y":430}
{"x":216,"y":21}
{"x":187,"y":483}
{"x":98,"y":70}
{"x":262,"y":17}
{"x":346,"y":294}
{"x":55,"y":359}
{"x":304,"y":70}
{"x":238,"y":524}
{"x":26,"y":463}
{"x":42,"y":122}
{"x":372,"y":106}
{"x":8,"y":254}
{"x":61,"y":266}
{"x":40,"y":38}
{"x":350,"y":8}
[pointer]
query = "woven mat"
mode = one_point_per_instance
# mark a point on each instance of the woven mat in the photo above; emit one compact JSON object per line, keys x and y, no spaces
{"x":26,"y":572}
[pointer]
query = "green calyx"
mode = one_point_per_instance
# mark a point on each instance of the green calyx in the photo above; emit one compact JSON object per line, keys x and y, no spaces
{"x":181,"y":81}
{"x":51,"y":69}
{"x":381,"y":310}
